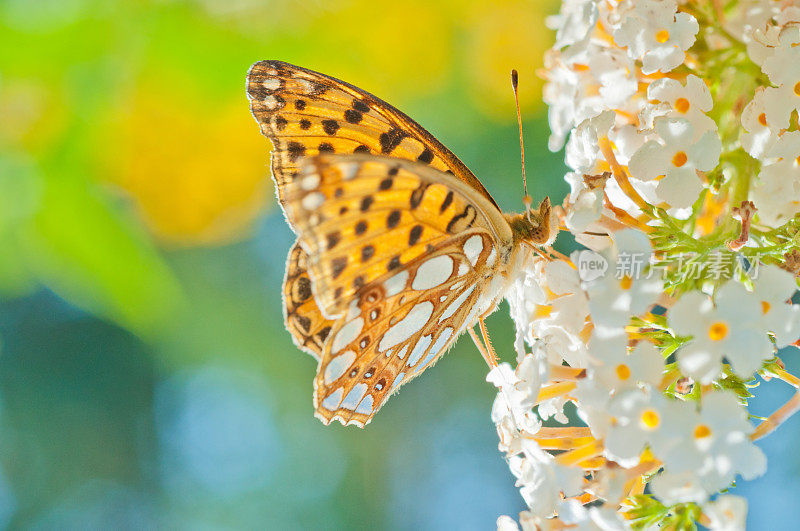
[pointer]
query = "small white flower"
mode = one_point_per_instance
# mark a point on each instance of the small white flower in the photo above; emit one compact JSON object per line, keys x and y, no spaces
{"x":609,"y":484}
{"x":732,"y":329}
{"x":727,"y":513}
{"x":583,"y":82}
{"x":616,"y":370}
{"x":783,"y":65}
{"x":583,"y":153}
{"x":776,"y":192}
{"x":759,"y":135}
{"x":774,"y":287}
{"x":672,"y":488}
{"x":581,"y":518}
{"x":638,"y":420}
{"x":760,"y":35}
{"x":511,"y":412}
{"x":625,"y":289}
{"x":542,"y":480}
{"x":656,"y":34}
{"x":714,"y":443}
{"x":677,"y":157}
{"x":506,"y":523}
{"x":690,"y":100}
{"x":586,"y":204}
{"x":574,"y":22}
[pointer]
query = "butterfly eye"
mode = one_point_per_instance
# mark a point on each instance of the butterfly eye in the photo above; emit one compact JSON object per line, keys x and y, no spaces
{"x":364,"y":342}
{"x":369,"y":372}
{"x":353,"y":372}
{"x":374,"y":314}
{"x":380,"y":385}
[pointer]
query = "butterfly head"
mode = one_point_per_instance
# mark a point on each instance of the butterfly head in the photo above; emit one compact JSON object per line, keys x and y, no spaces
{"x":534,"y":226}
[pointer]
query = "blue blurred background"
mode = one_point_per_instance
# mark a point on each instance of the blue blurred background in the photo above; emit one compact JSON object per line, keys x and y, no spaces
{"x":146,"y":379}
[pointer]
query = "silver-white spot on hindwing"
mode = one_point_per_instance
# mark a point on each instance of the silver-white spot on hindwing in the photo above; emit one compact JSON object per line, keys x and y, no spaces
{"x":331,"y":403}
{"x":338,"y":365}
{"x":472,"y":248}
{"x":456,"y":304}
{"x":419,"y":349}
{"x":433,"y":272}
{"x":347,"y":334}
{"x":365,"y":407}
{"x":354,"y":396}
{"x":407,"y":326}
{"x":394,"y":285}
{"x":437,"y":346}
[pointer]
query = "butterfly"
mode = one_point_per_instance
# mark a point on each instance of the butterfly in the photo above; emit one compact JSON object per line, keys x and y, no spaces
{"x":399,"y":247}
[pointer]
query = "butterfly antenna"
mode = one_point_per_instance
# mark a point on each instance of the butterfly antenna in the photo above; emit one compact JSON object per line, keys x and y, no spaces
{"x":527,"y":199}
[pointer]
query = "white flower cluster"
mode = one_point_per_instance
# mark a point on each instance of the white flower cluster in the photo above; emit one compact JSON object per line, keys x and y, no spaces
{"x":581,"y":352}
{"x":773,"y":36}
{"x":666,"y":157}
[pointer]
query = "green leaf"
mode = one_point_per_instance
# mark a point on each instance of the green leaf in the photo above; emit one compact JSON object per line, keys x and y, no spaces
{"x":94,"y":258}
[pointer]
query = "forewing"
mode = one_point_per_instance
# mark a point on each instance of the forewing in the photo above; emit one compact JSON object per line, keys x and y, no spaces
{"x":399,"y":325}
{"x":360,"y":218}
{"x":305,"y":113}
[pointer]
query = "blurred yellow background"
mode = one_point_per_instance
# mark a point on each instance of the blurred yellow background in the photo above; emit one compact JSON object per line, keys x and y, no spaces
{"x":146,"y":379}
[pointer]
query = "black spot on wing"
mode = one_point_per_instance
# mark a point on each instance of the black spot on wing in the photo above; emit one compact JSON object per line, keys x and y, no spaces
{"x":338,"y":265}
{"x":391,"y":139}
{"x":353,"y":116}
{"x":366,"y":203}
{"x":417,"y":195}
{"x":447,"y":200}
{"x":330,"y":126}
{"x":426,"y":156}
{"x":332,"y":239}
{"x":414,"y":235}
{"x":296,"y":150}
{"x":393,"y":219}
{"x":367,"y":252}
{"x":360,"y":106}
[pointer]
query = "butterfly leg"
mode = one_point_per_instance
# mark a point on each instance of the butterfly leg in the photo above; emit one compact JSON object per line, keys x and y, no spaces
{"x":491,"y":355}
{"x":491,"y":360}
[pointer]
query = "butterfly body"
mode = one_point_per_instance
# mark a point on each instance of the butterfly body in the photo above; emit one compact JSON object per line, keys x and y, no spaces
{"x":400,"y":248}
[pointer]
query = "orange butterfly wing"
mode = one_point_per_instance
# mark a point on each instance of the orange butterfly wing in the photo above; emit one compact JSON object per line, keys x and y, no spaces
{"x":304,"y":113}
{"x":428,"y":262}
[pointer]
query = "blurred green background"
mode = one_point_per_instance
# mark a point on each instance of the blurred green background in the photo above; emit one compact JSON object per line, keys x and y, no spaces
{"x":146,"y":379}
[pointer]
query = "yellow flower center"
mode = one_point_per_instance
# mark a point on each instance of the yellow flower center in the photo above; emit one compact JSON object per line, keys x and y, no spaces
{"x":682,"y":105}
{"x":625,"y":282}
{"x":679,"y":159}
{"x":718,"y":331}
{"x":578,"y":67}
{"x":650,"y":419}
{"x":702,"y":431}
{"x":762,"y":119}
{"x":623,"y":372}
{"x":797,"y":89}
{"x":662,"y":36}
{"x":765,"y":306}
